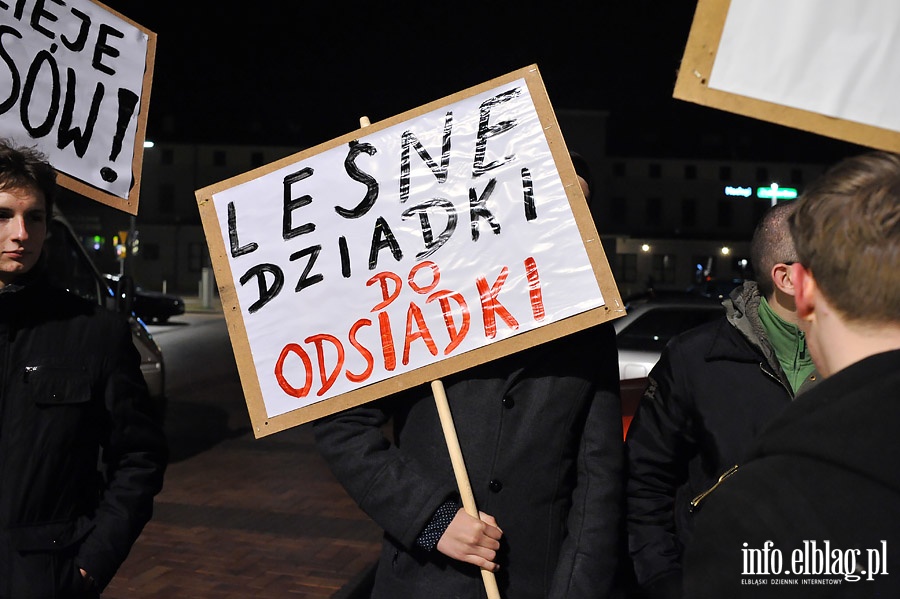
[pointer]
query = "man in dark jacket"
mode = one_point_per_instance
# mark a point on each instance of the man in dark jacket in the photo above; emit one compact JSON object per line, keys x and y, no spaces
{"x":815,"y":510}
{"x":70,"y":385}
{"x":709,"y":395}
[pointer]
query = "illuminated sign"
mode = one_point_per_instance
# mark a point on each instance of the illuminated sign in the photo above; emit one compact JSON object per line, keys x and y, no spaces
{"x":774,"y":192}
{"x":743,"y":192}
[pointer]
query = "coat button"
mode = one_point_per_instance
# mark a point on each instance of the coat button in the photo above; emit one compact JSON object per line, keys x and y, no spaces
{"x":508,"y":402}
{"x":495,"y":486}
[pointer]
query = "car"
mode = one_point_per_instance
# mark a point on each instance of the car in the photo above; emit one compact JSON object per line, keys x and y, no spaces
{"x":651,"y":320}
{"x":152,"y":306}
{"x":70,"y":267}
{"x":715,"y":288}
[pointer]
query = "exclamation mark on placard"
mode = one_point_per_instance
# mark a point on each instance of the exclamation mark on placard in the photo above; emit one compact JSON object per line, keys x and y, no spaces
{"x":127,"y":103}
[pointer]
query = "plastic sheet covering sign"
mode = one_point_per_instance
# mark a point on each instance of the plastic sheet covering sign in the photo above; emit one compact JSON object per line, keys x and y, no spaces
{"x":404,"y":251}
{"x":828,"y":66}
{"x":75,"y":82}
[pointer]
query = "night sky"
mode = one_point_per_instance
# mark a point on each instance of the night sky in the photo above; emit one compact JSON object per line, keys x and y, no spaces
{"x":301,"y":73}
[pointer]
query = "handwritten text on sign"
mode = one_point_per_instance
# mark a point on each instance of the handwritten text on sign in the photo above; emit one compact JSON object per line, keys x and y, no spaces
{"x":71,"y":75}
{"x":419,"y":242}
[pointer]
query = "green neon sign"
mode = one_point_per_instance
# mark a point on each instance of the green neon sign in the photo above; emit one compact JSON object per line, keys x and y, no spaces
{"x":774,"y":192}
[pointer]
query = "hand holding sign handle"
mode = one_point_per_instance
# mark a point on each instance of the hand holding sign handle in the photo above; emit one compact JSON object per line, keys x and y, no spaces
{"x":456,"y":457}
{"x":459,"y":469}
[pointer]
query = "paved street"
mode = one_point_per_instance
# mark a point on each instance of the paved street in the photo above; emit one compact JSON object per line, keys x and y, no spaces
{"x":239,"y":517}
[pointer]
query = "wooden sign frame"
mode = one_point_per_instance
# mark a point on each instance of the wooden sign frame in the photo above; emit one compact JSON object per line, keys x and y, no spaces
{"x":692,"y":85}
{"x":263,"y":424}
{"x":129,"y":204}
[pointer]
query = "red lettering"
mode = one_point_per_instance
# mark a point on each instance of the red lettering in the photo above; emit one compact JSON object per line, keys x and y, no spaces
{"x":435,"y":277}
{"x":387,"y":341}
{"x":491,"y":307}
{"x":444,"y":297}
{"x":414,"y":314}
{"x":327,"y":379}
{"x":293,"y":348}
{"x":534,"y":289}
{"x":365,"y":353}
{"x":388,"y":296}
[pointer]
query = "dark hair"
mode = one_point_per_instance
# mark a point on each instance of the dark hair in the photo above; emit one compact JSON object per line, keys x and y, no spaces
{"x":27,"y":168}
{"x":772,"y":244}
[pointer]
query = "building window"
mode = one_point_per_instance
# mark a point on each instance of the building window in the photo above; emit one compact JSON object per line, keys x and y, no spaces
{"x":724,"y":173}
{"x":618,"y":169}
{"x":690,"y":171}
{"x":166,"y":198}
{"x":654,"y":211}
{"x":655,"y":170}
{"x":689,"y":212}
{"x":167,"y":157}
{"x":150,"y":252}
{"x":628,"y":268}
{"x":219,"y":158}
{"x":762,"y":175}
{"x":759,"y":208}
{"x":617,"y":210}
{"x":663,"y":268}
{"x":724,"y":214}
{"x":195,"y":257}
{"x":257,"y":159}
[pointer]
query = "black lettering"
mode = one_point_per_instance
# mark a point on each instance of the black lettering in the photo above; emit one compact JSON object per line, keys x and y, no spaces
{"x":383,"y":237}
{"x":102,"y":48}
{"x":266,"y":293}
{"x":440,"y":173}
{"x":16,"y":80}
{"x":528,"y":192}
{"x":78,"y":44}
{"x":478,"y":209}
{"x":288,"y":231}
{"x":236,"y":249}
{"x":345,"y":257}
{"x":306,"y":280}
{"x":432,"y":245}
{"x":368,"y":201}
{"x":485,"y":132}
{"x":39,"y":13}
{"x":67,"y":133}
{"x":44,"y":128}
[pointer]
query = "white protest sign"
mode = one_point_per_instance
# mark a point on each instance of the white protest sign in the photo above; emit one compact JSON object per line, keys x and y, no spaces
{"x":401,"y":248}
{"x":74,"y":81}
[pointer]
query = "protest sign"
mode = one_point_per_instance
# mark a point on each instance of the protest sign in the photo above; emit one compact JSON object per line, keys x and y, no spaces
{"x":828,"y":67}
{"x":416,"y":247}
{"x":75,"y":82}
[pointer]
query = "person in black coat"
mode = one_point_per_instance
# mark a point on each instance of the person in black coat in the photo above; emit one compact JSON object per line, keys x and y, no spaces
{"x":714,"y":388}
{"x":541,"y":434}
{"x":72,"y":398}
{"x":815,"y":510}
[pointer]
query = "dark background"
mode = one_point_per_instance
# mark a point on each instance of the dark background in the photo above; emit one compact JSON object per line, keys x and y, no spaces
{"x":299,"y":73}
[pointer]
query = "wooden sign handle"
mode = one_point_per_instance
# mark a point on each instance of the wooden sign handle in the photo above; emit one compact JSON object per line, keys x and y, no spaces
{"x":459,"y":469}
{"x":456,"y":457}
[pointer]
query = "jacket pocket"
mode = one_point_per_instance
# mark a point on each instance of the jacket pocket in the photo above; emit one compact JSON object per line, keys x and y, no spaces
{"x":42,"y":559}
{"x":61,"y":398}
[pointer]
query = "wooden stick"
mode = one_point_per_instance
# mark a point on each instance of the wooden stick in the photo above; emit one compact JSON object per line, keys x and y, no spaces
{"x":459,"y":469}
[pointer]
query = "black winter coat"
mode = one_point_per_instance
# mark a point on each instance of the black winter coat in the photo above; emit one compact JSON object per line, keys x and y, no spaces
{"x":822,"y":488}
{"x":70,"y":384}
{"x":713,"y":390}
{"x":541,"y":434}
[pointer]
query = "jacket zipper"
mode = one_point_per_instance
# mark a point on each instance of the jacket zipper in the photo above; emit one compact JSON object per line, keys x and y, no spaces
{"x":695,"y":502}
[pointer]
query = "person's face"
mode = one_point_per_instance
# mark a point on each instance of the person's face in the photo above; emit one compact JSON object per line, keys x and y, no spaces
{"x":23,"y":228}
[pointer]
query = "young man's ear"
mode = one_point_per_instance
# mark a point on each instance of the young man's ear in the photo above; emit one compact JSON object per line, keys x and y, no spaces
{"x":805,"y":290}
{"x":781,"y":277}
